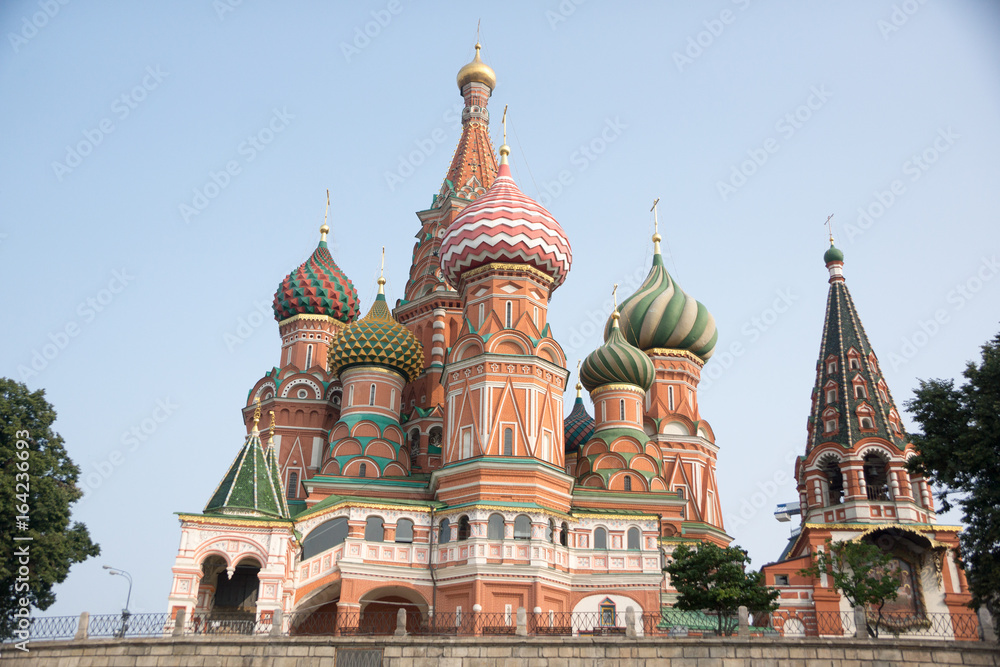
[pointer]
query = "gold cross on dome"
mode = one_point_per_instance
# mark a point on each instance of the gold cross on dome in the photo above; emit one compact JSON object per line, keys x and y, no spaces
{"x":614,"y":295}
{"x":503,"y":121}
{"x":829,"y":226}
{"x":656,"y":223}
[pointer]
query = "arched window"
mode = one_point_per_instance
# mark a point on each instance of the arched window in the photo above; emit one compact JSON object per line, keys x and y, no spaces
{"x":831,"y":395}
{"x":508,"y":442}
{"x":621,"y":409}
{"x":600,"y":538}
{"x":536,"y":316}
{"x":464,"y":529}
{"x":293,"y":485}
{"x":859,"y":391}
{"x":670,"y":397}
{"x":564,"y":535}
{"x":835,"y":481}
{"x":522,"y":527}
{"x":325,"y":536}
{"x":371,"y":395}
{"x":482,"y":315}
{"x":444,"y":534}
{"x":866,"y":422}
{"x":363,"y":470}
{"x":509,"y":319}
{"x":350,"y":396}
{"x":466,"y":443}
{"x":628,"y":483}
{"x":854,"y":364}
{"x":494,"y":527}
{"x":550,"y":532}
{"x":404,"y":531}
{"x":876,"y":479}
{"x":374,"y":529}
{"x":309,"y":356}
{"x":634,"y":538}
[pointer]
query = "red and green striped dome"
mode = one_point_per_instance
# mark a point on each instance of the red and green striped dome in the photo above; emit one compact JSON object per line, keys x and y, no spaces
{"x":578,"y":425}
{"x":317,"y":287}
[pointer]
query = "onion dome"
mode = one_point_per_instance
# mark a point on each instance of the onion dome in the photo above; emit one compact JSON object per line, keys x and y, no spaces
{"x":661,"y":315}
{"x":317,"y":287}
{"x":378,"y":339}
{"x":617,"y":362}
{"x":505,"y":226}
{"x":834,"y":254}
{"x":578,"y":425}
{"x":477,"y":72}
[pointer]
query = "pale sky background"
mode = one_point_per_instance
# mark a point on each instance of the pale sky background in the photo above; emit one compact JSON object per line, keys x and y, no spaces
{"x":885,"y":86}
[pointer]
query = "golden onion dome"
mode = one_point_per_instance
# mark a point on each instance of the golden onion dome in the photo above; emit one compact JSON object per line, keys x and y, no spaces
{"x":477,"y":71}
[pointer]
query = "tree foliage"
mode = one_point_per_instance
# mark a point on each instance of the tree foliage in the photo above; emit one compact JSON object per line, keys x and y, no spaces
{"x":959,"y":450}
{"x":862,"y":573}
{"x":47,"y":489}
{"x":710,"y":578}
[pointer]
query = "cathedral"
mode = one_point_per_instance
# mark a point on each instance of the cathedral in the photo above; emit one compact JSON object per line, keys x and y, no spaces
{"x":416,"y":457}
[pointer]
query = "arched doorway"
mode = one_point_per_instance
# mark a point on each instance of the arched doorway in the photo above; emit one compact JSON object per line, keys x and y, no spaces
{"x":230,"y":594}
{"x":380,"y":607}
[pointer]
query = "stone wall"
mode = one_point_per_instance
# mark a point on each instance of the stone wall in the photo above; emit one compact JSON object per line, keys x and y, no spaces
{"x":497,"y":652}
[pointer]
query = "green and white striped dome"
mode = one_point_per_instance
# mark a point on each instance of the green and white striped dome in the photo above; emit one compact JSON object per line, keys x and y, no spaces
{"x":617,"y":362}
{"x":661,"y":315}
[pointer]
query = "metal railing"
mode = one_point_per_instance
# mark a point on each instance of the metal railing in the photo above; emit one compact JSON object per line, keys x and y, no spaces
{"x":668,"y":623}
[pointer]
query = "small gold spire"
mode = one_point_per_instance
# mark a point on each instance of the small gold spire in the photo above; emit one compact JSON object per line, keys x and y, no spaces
{"x":504,"y":149}
{"x":829,"y":226}
{"x":270,"y":430}
{"x":656,"y":228}
{"x":325,"y":229}
{"x":579,"y":386}
{"x":615,"y":315}
{"x":256,"y":414}
{"x":381,"y":274}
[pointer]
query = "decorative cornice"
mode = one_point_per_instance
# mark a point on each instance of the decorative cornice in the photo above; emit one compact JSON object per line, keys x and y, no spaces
{"x":226,"y":521}
{"x":670,"y":352}
{"x":869,"y":528}
{"x":617,"y":386}
{"x":311,"y":316}
{"x":508,"y":267}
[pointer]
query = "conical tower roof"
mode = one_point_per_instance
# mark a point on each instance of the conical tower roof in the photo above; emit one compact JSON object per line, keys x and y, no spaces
{"x":252,"y":487}
{"x":848,"y":372}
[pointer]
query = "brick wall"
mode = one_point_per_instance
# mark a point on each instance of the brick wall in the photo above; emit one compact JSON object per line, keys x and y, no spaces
{"x":499,"y":652}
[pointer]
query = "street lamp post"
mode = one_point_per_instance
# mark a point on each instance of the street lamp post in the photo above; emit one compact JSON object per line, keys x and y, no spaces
{"x":128,"y":599}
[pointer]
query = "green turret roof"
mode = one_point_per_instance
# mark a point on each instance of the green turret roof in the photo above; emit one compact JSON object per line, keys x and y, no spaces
{"x":378,"y":339}
{"x":252,"y":487}
{"x":834,"y":254}
{"x":661,"y":315}
{"x":617,"y":362}
{"x":846,"y":362}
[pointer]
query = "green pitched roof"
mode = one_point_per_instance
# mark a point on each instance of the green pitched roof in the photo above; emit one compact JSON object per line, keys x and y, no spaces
{"x":252,"y":486}
{"x":842,"y":334}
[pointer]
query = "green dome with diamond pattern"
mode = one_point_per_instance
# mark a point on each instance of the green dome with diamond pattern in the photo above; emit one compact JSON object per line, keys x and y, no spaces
{"x":378,"y":339}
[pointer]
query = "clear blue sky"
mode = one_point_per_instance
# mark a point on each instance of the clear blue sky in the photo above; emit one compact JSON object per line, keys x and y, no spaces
{"x":833,"y":101}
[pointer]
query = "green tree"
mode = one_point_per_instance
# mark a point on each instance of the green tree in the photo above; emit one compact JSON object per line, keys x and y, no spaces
{"x":959,"y":450}
{"x":38,"y":483}
{"x":710,"y":578}
{"x":862,"y":573}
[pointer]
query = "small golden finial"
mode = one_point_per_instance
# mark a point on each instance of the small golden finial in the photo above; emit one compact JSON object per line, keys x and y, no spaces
{"x":656,"y":228}
{"x":381,"y":274}
{"x":270,"y":430}
{"x":504,"y":149}
{"x":829,"y":226}
{"x":615,"y":315}
{"x":256,"y":413}
{"x":324,"y":230}
{"x":579,"y":385}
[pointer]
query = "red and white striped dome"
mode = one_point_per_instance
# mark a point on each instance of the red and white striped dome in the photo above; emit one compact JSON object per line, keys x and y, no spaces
{"x":505,"y":225}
